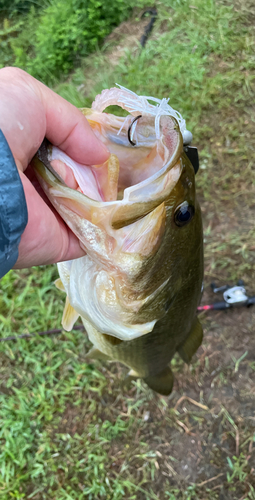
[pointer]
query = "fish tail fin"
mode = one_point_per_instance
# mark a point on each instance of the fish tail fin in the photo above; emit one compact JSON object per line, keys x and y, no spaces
{"x":162,"y":382}
{"x":192,"y":342}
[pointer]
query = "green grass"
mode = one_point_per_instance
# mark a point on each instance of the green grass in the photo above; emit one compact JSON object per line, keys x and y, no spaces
{"x":72,"y":430}
{"x":181,"y":60}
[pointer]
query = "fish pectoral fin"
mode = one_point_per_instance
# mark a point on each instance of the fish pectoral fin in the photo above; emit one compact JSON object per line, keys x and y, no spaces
{"x":69,"y":317}
{"x":59,"y":285}
{"x":162,"y":382}
{"x":95,"y":353}
{"x":192,"y":342}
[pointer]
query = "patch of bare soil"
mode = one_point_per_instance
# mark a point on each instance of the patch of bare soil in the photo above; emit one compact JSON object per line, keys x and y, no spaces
{"x":126,"y":36}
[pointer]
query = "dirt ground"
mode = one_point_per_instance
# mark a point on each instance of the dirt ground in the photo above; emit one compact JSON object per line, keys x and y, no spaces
{"x":199,"y":443}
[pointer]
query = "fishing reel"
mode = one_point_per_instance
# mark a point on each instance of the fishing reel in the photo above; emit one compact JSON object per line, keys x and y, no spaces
{"x":233,"y":296}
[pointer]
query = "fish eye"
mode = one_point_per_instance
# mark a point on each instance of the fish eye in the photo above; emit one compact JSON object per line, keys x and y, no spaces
{"x":183,"y":214}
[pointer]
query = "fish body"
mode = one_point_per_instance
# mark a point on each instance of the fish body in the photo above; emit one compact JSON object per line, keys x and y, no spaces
{"x":138,"y":218}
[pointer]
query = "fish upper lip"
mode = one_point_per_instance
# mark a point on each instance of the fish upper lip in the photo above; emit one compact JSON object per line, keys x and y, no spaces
{"x":129,"y":191}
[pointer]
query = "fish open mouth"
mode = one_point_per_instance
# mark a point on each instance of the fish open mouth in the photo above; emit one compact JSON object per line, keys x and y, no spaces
{"x":137,"y":157}
{"x":124,"y":214}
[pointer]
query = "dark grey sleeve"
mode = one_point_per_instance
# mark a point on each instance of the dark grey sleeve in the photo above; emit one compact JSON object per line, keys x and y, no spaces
{"x":13,"y":208}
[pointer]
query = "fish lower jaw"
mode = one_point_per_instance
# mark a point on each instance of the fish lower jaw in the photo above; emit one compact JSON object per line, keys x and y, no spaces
{"x":94,"y":294}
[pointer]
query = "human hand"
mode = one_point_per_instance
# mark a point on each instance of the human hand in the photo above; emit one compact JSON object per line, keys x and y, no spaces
{"x":30,"y":111}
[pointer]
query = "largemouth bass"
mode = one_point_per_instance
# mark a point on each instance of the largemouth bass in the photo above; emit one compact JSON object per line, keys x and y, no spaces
{"x":138,"y":218}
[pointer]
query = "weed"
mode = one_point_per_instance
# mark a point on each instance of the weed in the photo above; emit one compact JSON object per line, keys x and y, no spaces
{"x":68,"y":429}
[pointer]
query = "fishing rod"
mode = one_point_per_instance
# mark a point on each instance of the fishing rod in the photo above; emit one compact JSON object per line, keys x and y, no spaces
{"x":233,"y":296}
{"x":46,"y":332}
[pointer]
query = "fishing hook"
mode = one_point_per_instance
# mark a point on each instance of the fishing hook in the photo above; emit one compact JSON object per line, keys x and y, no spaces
{"x":129,"y":129}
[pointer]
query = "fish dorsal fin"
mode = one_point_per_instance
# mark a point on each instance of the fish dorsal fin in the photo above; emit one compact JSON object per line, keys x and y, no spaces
{"x":69,"y":317}
{"x":192,"y":342}
{"x":162,"y":382}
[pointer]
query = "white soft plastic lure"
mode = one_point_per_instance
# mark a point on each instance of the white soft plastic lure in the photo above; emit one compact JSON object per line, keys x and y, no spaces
{"x":137,"y":217}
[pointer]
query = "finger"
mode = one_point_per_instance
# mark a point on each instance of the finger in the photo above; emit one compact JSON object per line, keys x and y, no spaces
{"x":67,"y":128}
{"x":29,"y":111}
{"x":46,"y":238}
{"x":65,"y":173}
{"x":22,"y":116}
